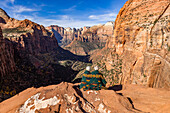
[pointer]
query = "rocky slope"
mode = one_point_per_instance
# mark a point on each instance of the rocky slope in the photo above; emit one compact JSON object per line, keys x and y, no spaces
{"x":68,"y":98}
{"x":141,"y":39}
{"x":30,"y":56}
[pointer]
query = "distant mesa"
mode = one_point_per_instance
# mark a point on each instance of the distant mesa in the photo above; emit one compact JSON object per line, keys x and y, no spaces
{"x":67,"y":37}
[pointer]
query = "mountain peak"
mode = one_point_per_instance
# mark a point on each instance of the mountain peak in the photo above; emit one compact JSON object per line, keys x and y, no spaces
{"x":3,"y":16}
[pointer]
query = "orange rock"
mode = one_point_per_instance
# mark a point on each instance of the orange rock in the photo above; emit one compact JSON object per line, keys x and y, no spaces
{"x":141,"y":36}
{"x":66,"y":97}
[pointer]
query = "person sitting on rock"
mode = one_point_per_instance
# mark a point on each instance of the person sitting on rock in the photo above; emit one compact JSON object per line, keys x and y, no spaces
{"x":85,"y":80}
{"x":98,"y":81}
{"x":93,"y":81}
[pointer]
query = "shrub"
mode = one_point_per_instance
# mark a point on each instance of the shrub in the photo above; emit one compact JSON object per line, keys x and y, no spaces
{"x":13,"y":30}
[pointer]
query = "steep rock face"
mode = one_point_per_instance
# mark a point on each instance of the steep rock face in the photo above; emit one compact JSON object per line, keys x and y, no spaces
{"x":29,"y":36}
{"x":82,"y":41}
{"x":66,"y":97}
{"x":58,"y":32}
{"x":4,"y":16}
{"x":98,"y":33}
{"x":7,"y":64}
{"x":141,"y":37}
{"x":82,"y":48}
{"x":30,"y":56}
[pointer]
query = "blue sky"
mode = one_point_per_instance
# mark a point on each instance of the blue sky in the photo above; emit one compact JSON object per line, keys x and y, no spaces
{"x":65,"y":13}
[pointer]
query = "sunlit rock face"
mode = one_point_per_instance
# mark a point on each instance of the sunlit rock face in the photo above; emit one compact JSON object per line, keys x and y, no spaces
{"x":29,"y":56}
{"x":66,"y":98}
{"x":142,"y":38}
{"x":4,"y":16}
{"x":98,"y":33}
{"x":29,"y":36}
{"x":82,"y":41}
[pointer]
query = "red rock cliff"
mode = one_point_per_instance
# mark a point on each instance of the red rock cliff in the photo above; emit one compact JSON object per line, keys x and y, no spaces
{"x":141,"y":36}
{"x":97,"y":33}
{"x":7,"y":63}
{"x":29,"y":36}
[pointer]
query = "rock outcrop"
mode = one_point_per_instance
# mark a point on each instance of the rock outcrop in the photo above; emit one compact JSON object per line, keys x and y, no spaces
{"x":66,"y":97}
{"x":150,"y":100}
{"x":4,"y":16}
{"x":141,"y":38}
{"x":30,"y":56}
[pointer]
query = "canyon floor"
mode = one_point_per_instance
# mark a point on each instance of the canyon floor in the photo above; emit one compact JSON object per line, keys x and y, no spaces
{"x":67,"y":97}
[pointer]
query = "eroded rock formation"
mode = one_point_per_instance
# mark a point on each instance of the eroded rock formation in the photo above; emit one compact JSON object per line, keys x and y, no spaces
{"x":97,"y":33}
{"x":30,"y":56}
{"x":29,"y":36}
{"x":66,"y":97}
{"x":141,"y":38}
{"x":82,"y":41}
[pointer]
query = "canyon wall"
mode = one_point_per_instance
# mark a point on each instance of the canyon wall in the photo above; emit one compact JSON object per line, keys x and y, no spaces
{"x":29,"y":36}
{"x":142,"y":38}
{"x":82,"y":41}
{"x":97,"y":33}
{"x":30,"y":56}
{"x":7,"y":64}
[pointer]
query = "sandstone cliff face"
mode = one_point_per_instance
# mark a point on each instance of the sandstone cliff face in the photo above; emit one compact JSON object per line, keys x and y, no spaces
{"x":4,"y":16}
{"x":30,"y":56}
{"x":7,"y":64}
{"x":98,"y":33}
{"x":29,"y":36}
{"x":141,"y":37}
{"x":82,"y":41}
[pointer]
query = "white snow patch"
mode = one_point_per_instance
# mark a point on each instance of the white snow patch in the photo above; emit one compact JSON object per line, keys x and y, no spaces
{"x":102,"y":110}
{"x":69,"y":98}
{"x":68,"y":109}
{"x":91,"y":91}
{"x":97,"y":99}
{"x":34,"y":103}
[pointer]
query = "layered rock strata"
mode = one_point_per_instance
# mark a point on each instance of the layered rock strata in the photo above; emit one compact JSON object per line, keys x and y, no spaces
{"x":141,"y":37}
{"x":98,"y":33}
{"x":30,"y":56}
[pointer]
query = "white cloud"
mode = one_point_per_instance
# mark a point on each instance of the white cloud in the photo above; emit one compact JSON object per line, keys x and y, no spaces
{"x":70,"y":8}
{"x":78,"y":21}
{"x":12,"y":1}
{"x":63,"y":21}
{"x":20,"y":9}
{"x":9,"y":4}
{"x":103,"y":17}
{"x":67,"y":23}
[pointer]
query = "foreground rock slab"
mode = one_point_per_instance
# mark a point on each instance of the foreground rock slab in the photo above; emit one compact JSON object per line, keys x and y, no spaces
{"x":66,"y":98}
{"x":152,"y":100}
